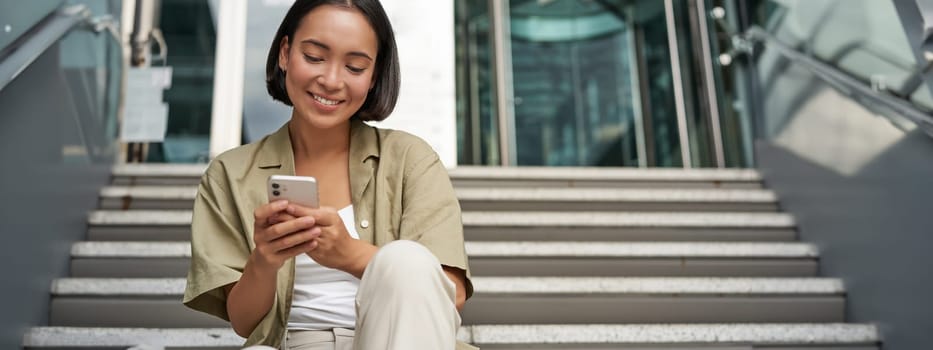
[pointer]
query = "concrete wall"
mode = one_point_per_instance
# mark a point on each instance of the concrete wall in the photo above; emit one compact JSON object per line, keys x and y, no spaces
{"x":48,"y":183}
{"x":860,"y":188}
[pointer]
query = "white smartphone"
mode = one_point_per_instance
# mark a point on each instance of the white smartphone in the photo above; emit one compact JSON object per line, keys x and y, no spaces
{"x":301,"y":190}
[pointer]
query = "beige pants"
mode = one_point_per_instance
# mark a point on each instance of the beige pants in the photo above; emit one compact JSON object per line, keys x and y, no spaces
{"x":405,"y":301}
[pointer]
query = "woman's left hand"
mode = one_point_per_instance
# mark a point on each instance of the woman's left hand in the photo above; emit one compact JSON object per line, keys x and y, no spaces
{"x":334,"y":247}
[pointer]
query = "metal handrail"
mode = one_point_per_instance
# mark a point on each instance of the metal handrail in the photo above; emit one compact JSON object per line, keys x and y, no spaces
{"x":48,"y":32}
{"x":845,"y":83}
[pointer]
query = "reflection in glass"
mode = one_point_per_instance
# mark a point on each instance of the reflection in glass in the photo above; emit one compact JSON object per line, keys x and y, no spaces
{"x":189,"y":30}
{"x":477,"y":128}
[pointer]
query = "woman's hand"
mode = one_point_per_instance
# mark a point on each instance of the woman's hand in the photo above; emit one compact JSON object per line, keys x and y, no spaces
{"x":333,"y":246}
{"x":279,"y":236}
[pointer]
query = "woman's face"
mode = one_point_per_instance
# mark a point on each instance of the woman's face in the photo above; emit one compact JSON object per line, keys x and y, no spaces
{"x":329,"y":65}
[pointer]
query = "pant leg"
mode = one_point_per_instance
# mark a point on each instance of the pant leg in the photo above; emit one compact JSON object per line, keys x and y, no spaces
{"x":406,"y":301}
{"x":310,"y":340}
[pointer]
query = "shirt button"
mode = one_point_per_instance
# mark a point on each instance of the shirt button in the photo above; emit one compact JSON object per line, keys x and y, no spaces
{"x":364,"y":223}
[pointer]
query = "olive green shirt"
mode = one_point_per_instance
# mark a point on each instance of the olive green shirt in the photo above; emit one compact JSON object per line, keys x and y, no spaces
{"x":397,"y":184}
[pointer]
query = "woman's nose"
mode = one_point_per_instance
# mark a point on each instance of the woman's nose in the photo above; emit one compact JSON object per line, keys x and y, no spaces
{"x":330,"y":78}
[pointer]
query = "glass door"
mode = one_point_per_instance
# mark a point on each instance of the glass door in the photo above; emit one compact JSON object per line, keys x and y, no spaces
{"x":592,"y":83}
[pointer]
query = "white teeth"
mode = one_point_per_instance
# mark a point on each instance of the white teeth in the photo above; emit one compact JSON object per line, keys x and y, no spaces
{"x":324,"y":100}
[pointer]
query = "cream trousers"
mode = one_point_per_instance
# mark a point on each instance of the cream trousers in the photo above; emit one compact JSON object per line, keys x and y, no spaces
{"x":405,"y":301}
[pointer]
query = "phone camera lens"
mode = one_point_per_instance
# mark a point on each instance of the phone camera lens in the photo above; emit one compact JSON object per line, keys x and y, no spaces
{"x":275,"y":186}
{"x":275,"y":193}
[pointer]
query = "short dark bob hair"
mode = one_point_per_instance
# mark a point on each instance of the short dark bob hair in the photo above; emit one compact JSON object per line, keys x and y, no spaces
{"x":381,"y":99}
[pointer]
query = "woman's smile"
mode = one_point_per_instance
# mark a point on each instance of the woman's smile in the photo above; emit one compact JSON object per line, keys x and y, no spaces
{"x":325,"y":104}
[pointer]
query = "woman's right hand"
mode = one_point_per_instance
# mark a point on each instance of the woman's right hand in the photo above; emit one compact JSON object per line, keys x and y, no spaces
{"x":279,"y":236}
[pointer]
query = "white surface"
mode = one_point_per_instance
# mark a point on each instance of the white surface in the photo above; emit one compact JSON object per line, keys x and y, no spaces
{"x":227,"y":100}
{"x":324,"y":298}
{"x":427,"y":103}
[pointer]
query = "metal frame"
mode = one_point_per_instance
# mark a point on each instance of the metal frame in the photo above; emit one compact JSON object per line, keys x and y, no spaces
{"x":678,"y":85}
{"x":710,"y":84}
{"x":505,"y":108}
{"x":636,"y":79}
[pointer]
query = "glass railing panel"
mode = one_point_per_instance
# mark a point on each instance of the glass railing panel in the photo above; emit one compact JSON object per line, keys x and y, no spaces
{"x":923,"y":98}
{"x":91,"y":66}
{"x":63,"y":106}
{"x":863,"y":38}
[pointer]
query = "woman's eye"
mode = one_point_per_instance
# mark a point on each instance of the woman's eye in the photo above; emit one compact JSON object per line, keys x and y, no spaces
{"x":355,"y":69}
{"x":312,"y":59}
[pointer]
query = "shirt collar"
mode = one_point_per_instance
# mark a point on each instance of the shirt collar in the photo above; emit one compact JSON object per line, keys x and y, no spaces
{"x":276,"y":153}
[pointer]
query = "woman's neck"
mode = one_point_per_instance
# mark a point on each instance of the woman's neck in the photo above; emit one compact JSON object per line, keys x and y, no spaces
{"x":310,"y":143}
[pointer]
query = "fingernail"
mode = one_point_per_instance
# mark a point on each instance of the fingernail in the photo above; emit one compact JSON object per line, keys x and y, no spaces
{"x":307,"y":220}
{"x":280,"y":203}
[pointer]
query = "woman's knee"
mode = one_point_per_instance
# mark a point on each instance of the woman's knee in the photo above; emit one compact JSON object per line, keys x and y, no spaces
{"x":403,"y":263}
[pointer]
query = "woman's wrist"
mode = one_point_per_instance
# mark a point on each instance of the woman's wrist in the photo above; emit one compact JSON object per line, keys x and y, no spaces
{"x":360,"y":253}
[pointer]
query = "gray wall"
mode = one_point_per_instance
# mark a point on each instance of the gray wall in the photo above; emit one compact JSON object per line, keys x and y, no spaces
{"x":862,"y":190}
{"x":20,"y":16}
{"x":47,"y":187}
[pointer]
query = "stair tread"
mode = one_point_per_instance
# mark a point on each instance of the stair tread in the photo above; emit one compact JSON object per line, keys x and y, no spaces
{"x":516,"y":285}
{"x":756,"y":333}
{"x":511,"y":194}
{"x":566,"y":219}
{"x":493,"y":173}
{"x":104,"y":249}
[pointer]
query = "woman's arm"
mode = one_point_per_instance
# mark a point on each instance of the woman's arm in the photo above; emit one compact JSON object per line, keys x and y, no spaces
{"x":251,"y":298}
{"x":458,"y":276}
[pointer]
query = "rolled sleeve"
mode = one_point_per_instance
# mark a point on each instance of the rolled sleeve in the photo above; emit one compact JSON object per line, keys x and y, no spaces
{"x":431,"y":214}
{"x":219,"y":249}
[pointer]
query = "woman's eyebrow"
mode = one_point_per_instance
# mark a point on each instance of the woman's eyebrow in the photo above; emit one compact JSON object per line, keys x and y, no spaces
{"x":325,"y":47}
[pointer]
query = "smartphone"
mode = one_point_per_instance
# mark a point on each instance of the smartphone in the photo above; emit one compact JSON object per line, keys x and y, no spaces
{"x":301,"y":190}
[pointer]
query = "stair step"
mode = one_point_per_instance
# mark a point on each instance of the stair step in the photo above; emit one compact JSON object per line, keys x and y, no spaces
{"x":513,"y":199}
{"x":173,"y":225}
{"x":467,"y":176}
{"x":171,"y":259}
{"x":522,"y":285}
{"x":154,"y":302}
{"x":595,"y":336}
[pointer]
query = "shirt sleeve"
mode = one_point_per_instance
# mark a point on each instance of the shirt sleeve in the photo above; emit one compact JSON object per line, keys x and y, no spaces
{"x":219,"y":249}
{"x":431,"y":214}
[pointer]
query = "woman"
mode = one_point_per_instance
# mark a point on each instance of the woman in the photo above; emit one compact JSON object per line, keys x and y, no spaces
{"x":381,"y":265}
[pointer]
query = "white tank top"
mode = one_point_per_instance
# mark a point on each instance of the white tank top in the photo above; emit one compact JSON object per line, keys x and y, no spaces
{"x":324,"y":298}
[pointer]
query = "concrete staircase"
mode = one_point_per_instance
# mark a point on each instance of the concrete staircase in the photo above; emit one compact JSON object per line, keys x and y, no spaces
{"x":562,"y":259}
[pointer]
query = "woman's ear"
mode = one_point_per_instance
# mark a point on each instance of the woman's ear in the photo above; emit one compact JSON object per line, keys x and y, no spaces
{"x":283,"y":53}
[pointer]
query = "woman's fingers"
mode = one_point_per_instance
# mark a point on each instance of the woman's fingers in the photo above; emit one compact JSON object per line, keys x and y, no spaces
{"x":294,"y":239}
{"x":302,"y":248}
{"x":261,"y":215}
{"x":325,"y":216}
{"x":281,"y":229}
{"x":280,"y":218}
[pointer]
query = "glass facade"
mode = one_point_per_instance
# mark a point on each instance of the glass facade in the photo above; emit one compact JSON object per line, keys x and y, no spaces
{"x":593,"y":84}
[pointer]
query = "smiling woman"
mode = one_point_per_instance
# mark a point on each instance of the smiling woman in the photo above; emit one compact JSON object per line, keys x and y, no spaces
{"x":381,"y":264}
